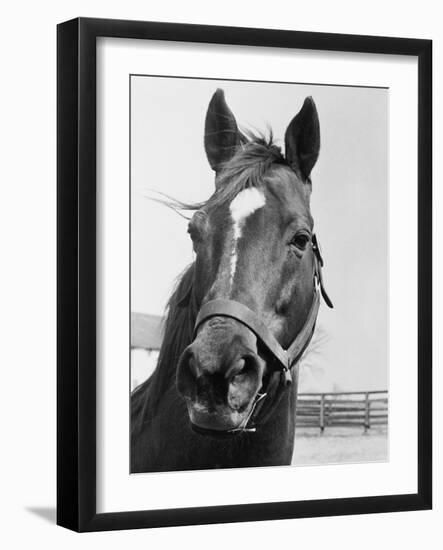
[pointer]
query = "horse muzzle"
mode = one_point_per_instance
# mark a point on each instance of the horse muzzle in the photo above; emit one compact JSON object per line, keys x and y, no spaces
{"x":220,"y":375}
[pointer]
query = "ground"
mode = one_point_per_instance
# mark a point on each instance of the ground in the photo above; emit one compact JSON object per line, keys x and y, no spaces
{"x":340,"y":445}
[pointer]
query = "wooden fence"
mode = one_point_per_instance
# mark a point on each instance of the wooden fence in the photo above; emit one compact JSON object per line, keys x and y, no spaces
{"x":342,"y":409}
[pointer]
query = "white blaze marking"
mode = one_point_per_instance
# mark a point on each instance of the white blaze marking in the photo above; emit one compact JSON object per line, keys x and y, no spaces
{"x":245,"y":203}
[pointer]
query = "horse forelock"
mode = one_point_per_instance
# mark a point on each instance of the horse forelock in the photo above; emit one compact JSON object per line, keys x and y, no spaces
{"x":246,"y":169}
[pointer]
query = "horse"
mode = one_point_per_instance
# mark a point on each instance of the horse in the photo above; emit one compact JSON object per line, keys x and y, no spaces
{"x":223,"y":394}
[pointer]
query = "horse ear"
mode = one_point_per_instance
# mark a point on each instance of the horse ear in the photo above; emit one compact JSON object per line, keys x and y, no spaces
{"x":302,"y":139}
{"x":221,"y":131}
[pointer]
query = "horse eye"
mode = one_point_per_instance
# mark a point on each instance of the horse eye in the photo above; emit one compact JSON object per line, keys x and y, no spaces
{"x":300,"y":241}
{"x":196,"y":226}
{"x":193,"y":232}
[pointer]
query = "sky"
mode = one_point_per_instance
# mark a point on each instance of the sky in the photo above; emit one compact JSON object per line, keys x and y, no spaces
{"x":349,"y":204}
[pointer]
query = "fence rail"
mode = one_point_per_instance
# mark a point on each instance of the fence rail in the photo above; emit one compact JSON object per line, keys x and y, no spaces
{"x":342,"y":409}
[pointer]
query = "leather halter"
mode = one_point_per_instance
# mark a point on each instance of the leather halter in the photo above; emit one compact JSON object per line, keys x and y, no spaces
{"x":286,"y":359}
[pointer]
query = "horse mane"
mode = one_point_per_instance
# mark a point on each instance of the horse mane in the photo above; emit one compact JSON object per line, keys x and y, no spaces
{"x":246,"y":168}
{"x":181,"y":313}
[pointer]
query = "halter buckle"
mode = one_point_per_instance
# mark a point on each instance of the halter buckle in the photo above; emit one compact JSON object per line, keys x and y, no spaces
{"x":287,"y":377}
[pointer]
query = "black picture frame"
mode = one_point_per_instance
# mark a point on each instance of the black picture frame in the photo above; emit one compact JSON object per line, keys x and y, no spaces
{"x":76,"y":266}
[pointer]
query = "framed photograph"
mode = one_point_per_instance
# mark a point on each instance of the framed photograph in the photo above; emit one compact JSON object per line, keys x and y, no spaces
{"x":244,"y":274}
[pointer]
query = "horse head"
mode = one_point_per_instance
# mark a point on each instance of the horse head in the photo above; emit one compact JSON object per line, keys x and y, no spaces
{"x":256,"y":267}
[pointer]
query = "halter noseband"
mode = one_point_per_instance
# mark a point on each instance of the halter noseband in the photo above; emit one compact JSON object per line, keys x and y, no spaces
{"x":286,"y":359}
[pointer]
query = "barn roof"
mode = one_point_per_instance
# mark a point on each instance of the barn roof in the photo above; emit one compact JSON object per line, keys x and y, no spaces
{"x":146,"y":331}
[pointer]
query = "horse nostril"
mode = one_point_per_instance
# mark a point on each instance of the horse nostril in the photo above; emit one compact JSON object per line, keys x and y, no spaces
{"x":187,"y":373}
{"x":245,"y":381}
{"x":236,"y":368}
{"x":249,"y":364}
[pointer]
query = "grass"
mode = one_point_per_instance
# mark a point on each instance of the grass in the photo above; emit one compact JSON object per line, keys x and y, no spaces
{"x":339,"y":445}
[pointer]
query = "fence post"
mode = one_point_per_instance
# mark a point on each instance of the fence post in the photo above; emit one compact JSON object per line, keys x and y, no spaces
{"x":322,"y":413}
{"x":367,"y":412}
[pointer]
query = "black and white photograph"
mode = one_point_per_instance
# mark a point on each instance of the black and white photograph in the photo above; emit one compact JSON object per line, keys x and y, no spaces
{"x":258,"y":274}
{"x":220,"y":275}
{"x":244,"y":274}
